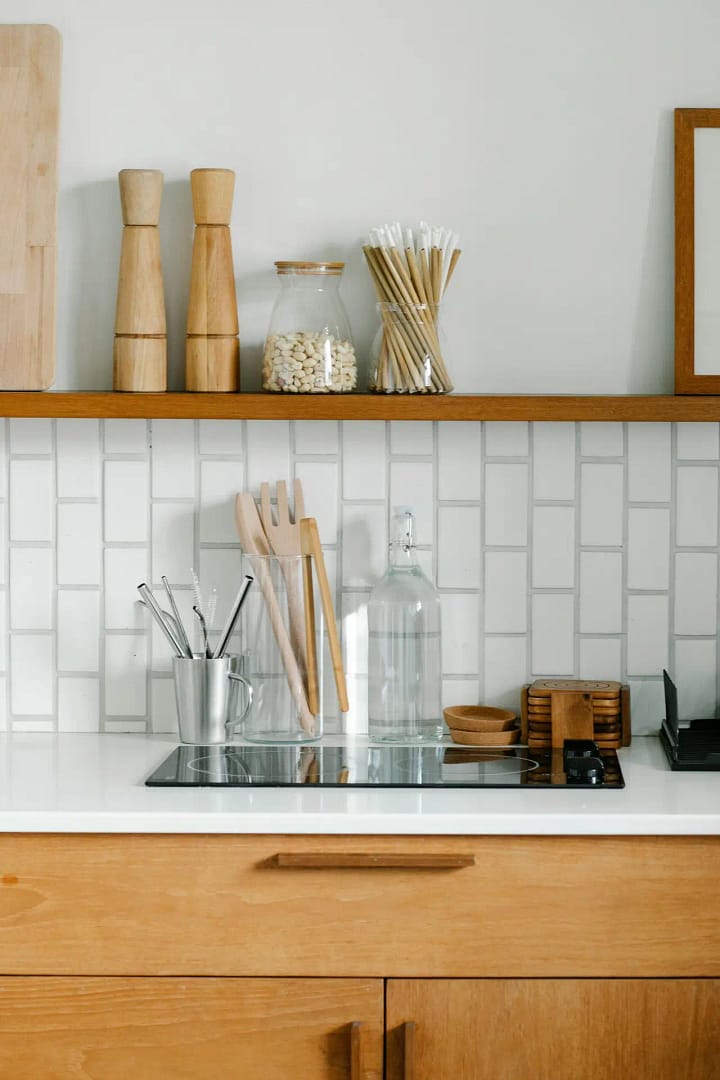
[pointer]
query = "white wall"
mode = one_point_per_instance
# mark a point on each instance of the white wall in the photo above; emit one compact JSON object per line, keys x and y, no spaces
{"x":541,"y":131}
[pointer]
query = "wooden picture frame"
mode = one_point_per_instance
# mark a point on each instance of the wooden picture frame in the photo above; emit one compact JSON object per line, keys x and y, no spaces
{"x":690,"y":353}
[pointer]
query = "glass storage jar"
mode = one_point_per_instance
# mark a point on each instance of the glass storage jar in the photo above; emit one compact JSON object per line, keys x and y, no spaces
{"x":309,"y":347}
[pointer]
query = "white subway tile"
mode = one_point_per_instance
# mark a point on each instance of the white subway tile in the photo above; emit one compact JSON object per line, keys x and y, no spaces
{"x":506,"y":439}
{"x":173,"y":459}
{"x":505,"y":592}
{"x":163,"y":711}
{"x":268,"y":452}
{"x":647,"y":705}
{"x":31,"y":588}
{"x":601,"y":511}
{"x":459,"y":552}
{"x":364,"y":463}
{"x":79,"y":545}
{"x":117,"y":727}
{"x":30,"y":436}
{"x":78,"y":630}
{"x":125,"y":569}
{"x":320,"y":490}
{"x":506,"y":505}
{"x":697,"y":441}
{"x":125,"y":674}
{"x":411,"y":484}
{"x":161,"y":651}
{"x":553,"y":629}
{"x":32,"y":500}
{"x":78,"y":705}
{"x":460,"y":692}
{"x":647,"y":644}
{"x":221,"y":569}
{"x":600,"y":592}
{"x":316,"y":436}
{"x":697,"y":506}
{"x":173,"y":546}
{"x":460,"y":633}
{"x":696,"y":596}
{"x":3,"y":458}
{"x":31,"y":674}
{"x":553,"y":547}
{"x":355,"y":633}
{"x":696,"y":678}
{"x":35,"y":726}
{"x":649,"y":462}
{"x":3,"y":630}
{"x":3,"y":542}
{"x":459,"y":460}
{"x":601,"y":439}
{"x":648,"y":549}
{"x":220,"y":481}
{"x":126,"y":501}
{"x":505,"y":665}
{"x":364,"y":545}
{"x":3,"y":704}
{"x":553,"y":461}
{"x":221,"y":437}
{"x":78,"y":459}
{"x":126,"y":436}
{"x":600,"y":658}
{"x":411,"y":437}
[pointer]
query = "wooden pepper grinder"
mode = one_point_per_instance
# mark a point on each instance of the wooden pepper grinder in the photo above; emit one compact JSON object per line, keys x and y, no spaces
{"x":212,"y":352}
{"x":140,"y":349}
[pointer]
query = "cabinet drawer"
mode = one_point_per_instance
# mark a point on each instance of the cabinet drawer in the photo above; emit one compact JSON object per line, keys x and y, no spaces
{"x":163,"y":1029}
{"x":228,"y":905}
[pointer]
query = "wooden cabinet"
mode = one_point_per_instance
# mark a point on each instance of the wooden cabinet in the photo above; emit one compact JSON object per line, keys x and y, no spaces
{"x":191,"y":1029}
{"x":553,"y":1029}
{"x":516,"y":958}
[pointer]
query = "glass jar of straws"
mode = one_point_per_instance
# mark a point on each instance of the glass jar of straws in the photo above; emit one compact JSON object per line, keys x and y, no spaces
{"x":411,"y":272}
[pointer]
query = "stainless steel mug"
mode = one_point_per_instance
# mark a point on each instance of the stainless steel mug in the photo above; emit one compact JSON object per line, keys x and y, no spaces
{"x":206,"y":695}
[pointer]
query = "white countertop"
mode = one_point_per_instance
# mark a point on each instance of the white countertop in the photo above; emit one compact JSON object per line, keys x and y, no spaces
{"x":95,"y":783}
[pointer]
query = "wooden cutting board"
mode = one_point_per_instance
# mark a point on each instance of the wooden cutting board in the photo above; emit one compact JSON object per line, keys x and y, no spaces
{"x":29,"y":121}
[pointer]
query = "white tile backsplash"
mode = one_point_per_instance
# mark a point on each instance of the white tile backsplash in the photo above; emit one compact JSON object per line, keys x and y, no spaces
{"x":504,"y":537}
{"x":697,"y":506}
{"x":506,"y":505}
{"x":78,"y":459}
{"x":31,"y":500}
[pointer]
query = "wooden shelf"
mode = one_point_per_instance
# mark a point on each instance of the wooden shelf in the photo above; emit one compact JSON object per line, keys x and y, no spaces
{"x":360,"y":406}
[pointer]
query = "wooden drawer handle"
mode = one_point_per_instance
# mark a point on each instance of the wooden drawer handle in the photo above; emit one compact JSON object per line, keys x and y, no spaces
{"x":322,"y":860}
{"x":409,"y":1050}
{"x":356,"y":1051}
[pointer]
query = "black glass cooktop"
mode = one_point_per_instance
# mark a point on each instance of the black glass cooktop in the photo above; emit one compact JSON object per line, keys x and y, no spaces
{"x":440,"y":766}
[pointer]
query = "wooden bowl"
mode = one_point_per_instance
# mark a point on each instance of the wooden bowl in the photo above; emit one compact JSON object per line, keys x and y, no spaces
{"x":478,"y":718}
{"x":485,"y":738}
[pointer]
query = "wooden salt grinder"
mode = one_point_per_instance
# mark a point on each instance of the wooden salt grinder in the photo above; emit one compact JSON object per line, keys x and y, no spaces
{"x":140,"y":348}
{"x":212,"y":351}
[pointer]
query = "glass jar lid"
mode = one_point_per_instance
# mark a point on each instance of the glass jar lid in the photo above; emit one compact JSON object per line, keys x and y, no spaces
{"x":323,"y":268}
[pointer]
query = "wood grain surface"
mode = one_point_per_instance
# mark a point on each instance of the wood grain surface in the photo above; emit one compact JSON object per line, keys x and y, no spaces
{"x":194,"y":1029}
{"x":220,"y":905}
{"x":564,"y":1029}
{"x":29,"y":121}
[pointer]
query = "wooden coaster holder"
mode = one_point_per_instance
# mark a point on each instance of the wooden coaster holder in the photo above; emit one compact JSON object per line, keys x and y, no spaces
{"x":557,"y":709}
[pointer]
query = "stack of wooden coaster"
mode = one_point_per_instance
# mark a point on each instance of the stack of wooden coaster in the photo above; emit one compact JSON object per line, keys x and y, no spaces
{"x":554,"y":709}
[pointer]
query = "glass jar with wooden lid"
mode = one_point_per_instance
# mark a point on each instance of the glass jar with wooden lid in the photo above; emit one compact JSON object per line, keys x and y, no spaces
{"x":309,"y":347}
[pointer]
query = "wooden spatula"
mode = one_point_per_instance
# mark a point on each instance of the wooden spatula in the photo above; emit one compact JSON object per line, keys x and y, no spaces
{"x":254,"y":542}
{"x":311,"y":546}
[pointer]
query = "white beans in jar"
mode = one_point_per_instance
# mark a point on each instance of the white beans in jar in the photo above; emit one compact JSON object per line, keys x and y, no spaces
{"x":309,"y":362}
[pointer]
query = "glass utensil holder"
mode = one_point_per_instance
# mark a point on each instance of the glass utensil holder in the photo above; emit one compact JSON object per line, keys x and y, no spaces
{"x":274,"y":619}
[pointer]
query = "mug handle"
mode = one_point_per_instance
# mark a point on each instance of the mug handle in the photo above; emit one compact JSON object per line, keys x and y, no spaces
{"x":248,"y":693}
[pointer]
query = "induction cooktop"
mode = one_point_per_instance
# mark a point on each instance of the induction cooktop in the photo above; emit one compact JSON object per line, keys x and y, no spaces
{"x":438,"y":766}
